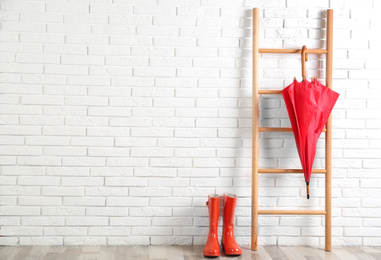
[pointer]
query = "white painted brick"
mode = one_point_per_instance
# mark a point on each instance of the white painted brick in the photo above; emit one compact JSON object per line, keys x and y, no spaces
{"x":7,"y":160}
{"x":36,"y":201}
{"x":144,"y":192}
{"x":125,"y":181}
{"x":43,"y":221}
{"x":8,"y":201}
{"x":63,"y":191}
{"x":111,"y":171}
{"x":46,"y":140}
{"x":21,"y":231}
{"x":127,"y":162}
{"x":128,"y":221}
{"x":68,"y":171}
{"x":42,"y":38}
{"x":19,"y":211}
{"x":157,"y":152}
{"x":154,"y":72}
{"x":111,"y":9}
{"x":9,"y":241}
{"x":107,"y":211}
{"x":41,"y":160}
{"x":82,"y":181}
{"x":151,"y":231}
{"x":63,"y":151}
{"x":87,"y":221}
{"x":150,"y":212}
{"x":155,"y":171}
{"x":154,"y":10}
{"x":12,"y":221}
{"x":23,"y":27}
{"x":80,"y":59}
{"x":107,"y":191}
{"x":127,"y":201}
{"x":83,"y":201}
{"x":23,"y":110}
{"x":38,"y":180}
{"x":178,"y":221}
{"x":136,"y":240}
{"x":174,"y":21}
{"x":109,"y":231}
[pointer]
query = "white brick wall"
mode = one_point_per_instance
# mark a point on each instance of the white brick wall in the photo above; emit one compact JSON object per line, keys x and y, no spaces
{"x":119,"y":117}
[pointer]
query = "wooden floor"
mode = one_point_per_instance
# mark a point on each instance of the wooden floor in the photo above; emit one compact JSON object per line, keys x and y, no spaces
{"x":182,"y":253}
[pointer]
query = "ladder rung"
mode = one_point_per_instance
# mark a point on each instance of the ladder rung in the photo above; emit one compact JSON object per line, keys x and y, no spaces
{"x":291,"y":212}
{"x":290,"y":171}
{"x":278,"y":129}
{"x":275,"y":129}
{"x":312,"y":51}
{"x":270,"y":91}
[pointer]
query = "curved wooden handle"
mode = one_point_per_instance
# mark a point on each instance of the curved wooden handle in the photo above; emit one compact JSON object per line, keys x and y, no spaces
{"x":304,"y":59}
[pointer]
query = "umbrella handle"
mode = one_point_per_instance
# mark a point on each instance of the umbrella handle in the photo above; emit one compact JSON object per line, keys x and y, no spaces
{"x":304,"y":59}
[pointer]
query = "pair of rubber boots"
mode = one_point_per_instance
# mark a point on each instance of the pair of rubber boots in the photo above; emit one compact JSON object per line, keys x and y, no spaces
{"x":228,"y":243}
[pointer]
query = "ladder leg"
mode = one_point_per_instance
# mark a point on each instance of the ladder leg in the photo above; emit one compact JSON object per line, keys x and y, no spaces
{"x":328,"y":137}
{"x":255,"y":129}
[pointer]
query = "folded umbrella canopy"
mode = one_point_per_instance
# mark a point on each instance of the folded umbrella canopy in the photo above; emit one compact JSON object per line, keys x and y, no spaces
{"x":309,"y":105}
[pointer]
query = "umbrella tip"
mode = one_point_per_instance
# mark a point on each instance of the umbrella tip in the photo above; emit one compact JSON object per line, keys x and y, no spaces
{"x":308,"y":197}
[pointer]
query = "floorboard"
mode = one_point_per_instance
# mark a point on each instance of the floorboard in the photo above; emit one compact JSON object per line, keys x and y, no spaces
{"x":183,"y":253}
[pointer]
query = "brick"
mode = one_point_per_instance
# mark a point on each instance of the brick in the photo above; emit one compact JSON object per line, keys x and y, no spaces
{"x":82,"y":181}
{"x":150,"y":212}
{"x":21,"y":231}
{"x":107,"y":191}
{"x":157,"y":31}
{"x":87,"y":221}
{"x":107,"y":211}
{"x":87,"y":121}
{"x":136,"y":240}
{"x":110,"y":111}
{"x":111,"y":171}
{"x":105,"y":152}
{"x":130,"y":20}
{"x":62,"y":191}
{"x":83,"y":201}
{"x":80,"y":59}
{"x":127,"y":201}
{"x":23,"y":27}
{"x":38,"y":201}
{"x":21,"y":109}
{"x":154,"y":10}
{"x":127,"y":221}
{"x":91,"y":141}
{"x":68,"y":171}
{"x":152,"y":191}
{"x":111,"y":9}
{"x":125,"y":181}
{"x":110,"y":231}
{"x":46,"y":140}
{"x":39,"y":180}
{"x":151,"y":231}
{"x":155,"y":171}
{"x":63,"y":151}
{"x":19,"y":211}
{"x":40,"y":161}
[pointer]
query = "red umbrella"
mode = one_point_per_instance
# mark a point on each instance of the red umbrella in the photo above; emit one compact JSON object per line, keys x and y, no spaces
{"x":309,"y":105}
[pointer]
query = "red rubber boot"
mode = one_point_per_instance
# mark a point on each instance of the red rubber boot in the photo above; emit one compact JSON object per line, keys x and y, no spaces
{"x":211,"y":247}
{"x":228,"y":241}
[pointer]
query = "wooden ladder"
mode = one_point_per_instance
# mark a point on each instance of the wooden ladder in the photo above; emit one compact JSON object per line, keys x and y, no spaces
{"x":256,"y":129}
